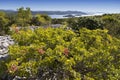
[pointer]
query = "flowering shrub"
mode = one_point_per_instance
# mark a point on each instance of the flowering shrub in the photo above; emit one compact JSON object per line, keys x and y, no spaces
{"x":55,"y":53}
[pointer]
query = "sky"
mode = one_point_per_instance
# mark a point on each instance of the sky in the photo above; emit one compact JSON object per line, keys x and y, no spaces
{"x":110,"y":6}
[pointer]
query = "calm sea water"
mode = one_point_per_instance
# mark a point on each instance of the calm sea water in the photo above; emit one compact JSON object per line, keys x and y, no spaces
{"x":57,"y":16}
{"x":61,"y":16}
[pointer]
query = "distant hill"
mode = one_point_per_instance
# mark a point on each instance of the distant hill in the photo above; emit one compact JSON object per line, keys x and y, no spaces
{"x":59,"y":12}
{"x":8,"y":11}
{"x":50,"y":12}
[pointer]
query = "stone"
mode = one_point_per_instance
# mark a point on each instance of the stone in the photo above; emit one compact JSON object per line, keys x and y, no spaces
{"x":1,"y":51}
{"x":11,"y":42}
{"x":5,"y":42}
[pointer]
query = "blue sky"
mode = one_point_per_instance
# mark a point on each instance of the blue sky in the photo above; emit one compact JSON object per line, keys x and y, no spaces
{"x":112,"y":6}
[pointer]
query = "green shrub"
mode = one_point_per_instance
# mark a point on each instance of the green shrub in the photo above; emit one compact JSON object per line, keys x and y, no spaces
{"x":55,"y":53}
{"x":84,"y":22}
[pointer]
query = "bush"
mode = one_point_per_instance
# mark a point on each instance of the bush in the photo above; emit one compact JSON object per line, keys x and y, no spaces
{"x":112,"y":24}
{"x":55,"y":53}
{"x":84,"y":22}
{"x":40,"y":20}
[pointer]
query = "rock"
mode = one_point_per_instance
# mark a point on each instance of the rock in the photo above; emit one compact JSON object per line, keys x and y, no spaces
{"x":4,"y":56}
{"x":11,"y":42}
{"x":19,"y":78}
{"x":1,"y":51}
{"x":5,"y":42}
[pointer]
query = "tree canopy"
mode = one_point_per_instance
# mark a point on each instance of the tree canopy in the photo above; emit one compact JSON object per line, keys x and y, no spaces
{"x":23,"y":16}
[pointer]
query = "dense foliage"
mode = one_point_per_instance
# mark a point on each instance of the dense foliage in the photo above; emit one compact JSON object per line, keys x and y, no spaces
{"x":111,"y":22}
{"x":89,"y":23}
{"x":40,"y":19}
{"x":55,"y":53}
{"x":23,"y":16}
{"x":3,"y":23}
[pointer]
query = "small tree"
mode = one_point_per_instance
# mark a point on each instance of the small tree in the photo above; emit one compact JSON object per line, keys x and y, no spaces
{"x":3,"y":23}
{"x":23,"y":16}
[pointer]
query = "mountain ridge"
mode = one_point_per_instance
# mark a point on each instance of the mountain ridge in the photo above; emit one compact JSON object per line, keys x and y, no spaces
{"x":49,"y":12}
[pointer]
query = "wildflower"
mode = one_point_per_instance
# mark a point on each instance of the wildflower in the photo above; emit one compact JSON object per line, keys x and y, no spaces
{"x":66,"y":51}
{"x":13,"y":68}
{"x":41,"y":51}
{"x":16,"y":30}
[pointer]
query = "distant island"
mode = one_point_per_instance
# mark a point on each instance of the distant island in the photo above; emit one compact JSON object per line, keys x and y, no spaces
{"x":69,"y":15}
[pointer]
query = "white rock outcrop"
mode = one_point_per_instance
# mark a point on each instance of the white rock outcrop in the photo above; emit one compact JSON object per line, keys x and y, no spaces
{"x":5,"y":42}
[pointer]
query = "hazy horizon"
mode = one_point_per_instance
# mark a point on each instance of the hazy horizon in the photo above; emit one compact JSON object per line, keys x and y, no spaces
{"x":107,"y":6}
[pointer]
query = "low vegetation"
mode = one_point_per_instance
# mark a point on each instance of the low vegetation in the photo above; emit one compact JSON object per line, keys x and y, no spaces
{"x":85,"y":48}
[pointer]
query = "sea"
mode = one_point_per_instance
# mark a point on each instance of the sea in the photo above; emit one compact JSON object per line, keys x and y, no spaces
{"x":62,"y":16}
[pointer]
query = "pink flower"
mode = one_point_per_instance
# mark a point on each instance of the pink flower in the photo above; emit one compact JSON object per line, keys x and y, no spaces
{"x":13,"y":68}
{"x":41,"y":51}
{"x":66,"y":51}
{"x":16,"y":30}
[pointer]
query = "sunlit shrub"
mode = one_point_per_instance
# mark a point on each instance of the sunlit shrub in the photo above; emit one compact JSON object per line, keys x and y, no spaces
{"x":55,"y":53}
